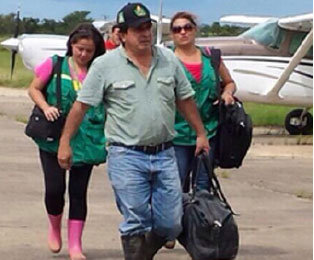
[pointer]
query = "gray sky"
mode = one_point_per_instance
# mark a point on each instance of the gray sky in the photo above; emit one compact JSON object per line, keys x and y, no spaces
{"x":207,"y":10}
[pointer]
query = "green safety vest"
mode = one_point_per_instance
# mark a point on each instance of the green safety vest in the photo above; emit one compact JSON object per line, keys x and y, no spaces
{"x":88,"y":144}
{"x":205,"y":95}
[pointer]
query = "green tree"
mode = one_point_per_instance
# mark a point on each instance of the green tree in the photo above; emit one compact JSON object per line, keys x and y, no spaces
{"x":29,"y":25}
{"x":204,"y":30}
{"x":48,"y":26}
{"x":7,"y":24}
{"x":73,"y":19}
{"x":215,"y":29}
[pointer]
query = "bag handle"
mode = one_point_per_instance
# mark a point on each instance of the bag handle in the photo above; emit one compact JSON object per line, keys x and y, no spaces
{"x":213,"y":180}
{"x":203,"y":159}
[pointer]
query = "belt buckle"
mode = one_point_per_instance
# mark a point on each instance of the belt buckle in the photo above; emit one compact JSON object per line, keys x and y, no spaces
{"x":150,"y":149}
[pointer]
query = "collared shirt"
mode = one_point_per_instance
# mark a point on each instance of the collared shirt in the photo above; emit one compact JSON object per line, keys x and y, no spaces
{"x":140,"y":110}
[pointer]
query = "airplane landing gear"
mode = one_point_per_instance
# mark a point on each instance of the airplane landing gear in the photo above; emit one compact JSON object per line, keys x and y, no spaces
{"x":299,"y":121}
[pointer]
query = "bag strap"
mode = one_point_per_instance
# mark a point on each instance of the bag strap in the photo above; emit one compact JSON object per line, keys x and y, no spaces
{"x":57,"y":70}
{"x":215,"y":55}
{"x":213,"y":180}
{"x":215,"y":61}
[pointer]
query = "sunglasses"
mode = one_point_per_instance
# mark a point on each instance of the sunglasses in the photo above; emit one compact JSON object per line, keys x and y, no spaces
{"x":187,"y":28}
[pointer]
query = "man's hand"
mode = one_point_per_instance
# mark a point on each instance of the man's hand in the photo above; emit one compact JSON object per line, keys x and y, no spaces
{"x":72,"y":123}
{"x":202,"y":145}
{"x":65,"y":155}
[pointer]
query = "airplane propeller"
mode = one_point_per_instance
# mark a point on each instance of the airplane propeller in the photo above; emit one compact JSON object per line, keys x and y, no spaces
{"x":16,"y":33}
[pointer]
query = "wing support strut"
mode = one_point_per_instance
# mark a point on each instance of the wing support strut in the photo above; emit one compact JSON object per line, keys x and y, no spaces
{"x":295,"y":60}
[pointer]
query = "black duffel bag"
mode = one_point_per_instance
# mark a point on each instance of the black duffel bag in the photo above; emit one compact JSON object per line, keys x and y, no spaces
{"x":209,"y":229}
{"x":38,"y":126}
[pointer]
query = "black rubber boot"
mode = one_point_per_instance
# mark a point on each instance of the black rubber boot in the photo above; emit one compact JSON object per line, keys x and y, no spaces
{"x":133,"y":247}
{"x":153,"y":243}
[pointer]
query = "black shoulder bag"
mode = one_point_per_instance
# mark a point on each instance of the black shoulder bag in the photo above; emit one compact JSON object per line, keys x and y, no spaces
{"x":38,"y":126}
{"x":209,"y":229}
{"x":234,"y":135}
{"x":234,"y":132}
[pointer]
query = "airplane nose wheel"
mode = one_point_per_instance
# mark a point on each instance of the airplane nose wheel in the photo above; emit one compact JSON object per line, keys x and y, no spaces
{"x":298,"y":122}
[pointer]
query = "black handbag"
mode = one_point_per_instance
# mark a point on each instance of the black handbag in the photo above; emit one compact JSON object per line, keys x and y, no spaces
{"x":38,"y":126}
{"x":209,"y":229}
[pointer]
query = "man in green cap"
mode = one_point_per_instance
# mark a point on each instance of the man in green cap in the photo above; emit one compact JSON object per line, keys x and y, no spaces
{"x":141,"y":85}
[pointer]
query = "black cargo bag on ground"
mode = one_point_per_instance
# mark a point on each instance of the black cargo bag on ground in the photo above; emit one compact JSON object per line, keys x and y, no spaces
{"x":209,"y":229}
{"x":234,"y":135}
{"x":38,"y":126}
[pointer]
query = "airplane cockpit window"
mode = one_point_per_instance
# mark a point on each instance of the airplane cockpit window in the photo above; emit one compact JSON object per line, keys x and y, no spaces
{"x":296,"y":41}
{"x":268,"y":34}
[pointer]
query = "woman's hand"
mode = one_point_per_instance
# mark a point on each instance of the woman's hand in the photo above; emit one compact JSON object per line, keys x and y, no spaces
{"x":227,"y":97}
{"x":35,"y":91}
{"x":51,"y":113}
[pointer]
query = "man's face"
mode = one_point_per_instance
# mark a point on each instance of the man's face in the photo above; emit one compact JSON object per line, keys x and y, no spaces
{"x":115,"y":36}
{"x":139,"y":38}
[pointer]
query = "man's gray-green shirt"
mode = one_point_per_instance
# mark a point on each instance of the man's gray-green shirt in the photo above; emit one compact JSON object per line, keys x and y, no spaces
{"x":140,"y":110}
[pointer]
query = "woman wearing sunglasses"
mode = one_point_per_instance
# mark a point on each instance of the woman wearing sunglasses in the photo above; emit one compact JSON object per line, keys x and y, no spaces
{"x":196,"y":63}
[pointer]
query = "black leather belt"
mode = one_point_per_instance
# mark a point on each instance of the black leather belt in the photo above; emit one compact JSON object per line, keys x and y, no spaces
{"x":149,"y":149}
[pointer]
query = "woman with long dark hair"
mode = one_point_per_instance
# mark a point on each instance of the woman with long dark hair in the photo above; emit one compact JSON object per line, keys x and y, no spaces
{"x":85,"y":43}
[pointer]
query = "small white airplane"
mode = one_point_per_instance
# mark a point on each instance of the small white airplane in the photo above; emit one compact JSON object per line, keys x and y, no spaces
{"x":271,"y":63}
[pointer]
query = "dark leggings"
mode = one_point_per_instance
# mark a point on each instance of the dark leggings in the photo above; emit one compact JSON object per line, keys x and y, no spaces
{"x":55,"y":186}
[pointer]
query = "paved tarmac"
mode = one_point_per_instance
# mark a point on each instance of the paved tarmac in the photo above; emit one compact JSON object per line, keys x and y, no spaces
{"x":272,"y":192}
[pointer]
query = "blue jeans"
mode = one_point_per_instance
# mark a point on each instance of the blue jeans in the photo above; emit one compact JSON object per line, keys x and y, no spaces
{"x":187,"y":163}
{"x":147,"y":191}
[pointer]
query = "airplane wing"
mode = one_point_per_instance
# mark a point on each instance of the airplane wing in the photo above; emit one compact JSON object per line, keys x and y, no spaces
{"x":302,"y":23}
{"x":244,"y":19}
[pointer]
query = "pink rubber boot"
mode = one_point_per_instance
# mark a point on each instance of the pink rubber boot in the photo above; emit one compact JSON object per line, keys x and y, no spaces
{"x":75,"y":230}
{"x":54,"y":233}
